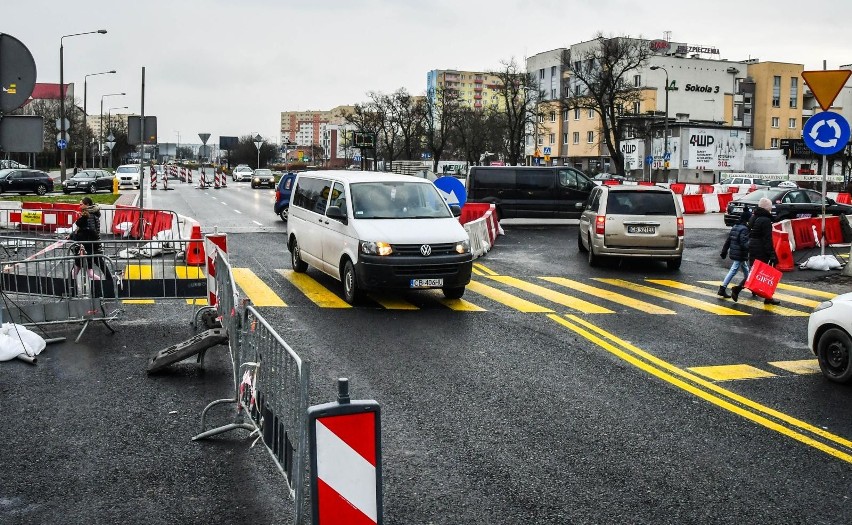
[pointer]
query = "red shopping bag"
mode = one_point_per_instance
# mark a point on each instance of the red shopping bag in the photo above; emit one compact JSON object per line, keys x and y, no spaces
{"x":763,"y":279}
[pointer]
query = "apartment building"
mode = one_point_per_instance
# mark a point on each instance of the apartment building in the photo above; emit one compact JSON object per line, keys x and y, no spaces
{"x":304,"y":128}
{"x":474,"y":89}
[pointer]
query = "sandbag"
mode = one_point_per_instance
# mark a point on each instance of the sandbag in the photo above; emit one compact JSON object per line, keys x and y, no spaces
{"x":821,"y":262}
{"x":16,"y":339}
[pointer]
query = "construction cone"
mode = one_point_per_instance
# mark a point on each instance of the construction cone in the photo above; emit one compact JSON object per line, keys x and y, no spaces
{"x":202,"y":180}
{"x":782,"y":250}
{"x":189,"y":176}
{"x":224,"y":180}
{"x":195,"y":248}
{"x":216,"y":180}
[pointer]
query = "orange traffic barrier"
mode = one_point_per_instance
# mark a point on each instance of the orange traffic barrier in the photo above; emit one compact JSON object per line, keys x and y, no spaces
{"x":724,"y":199}
{"x":693,"y":204}
{"x":195,"y":248}
{"x":733,"y":189}
{"x":844,"y":198}
{"x":803,"y":233}
{"x":781,"y":242}
{"x":678,"y":187}
{"x":473,"y":210}
{"x":833,"y":231}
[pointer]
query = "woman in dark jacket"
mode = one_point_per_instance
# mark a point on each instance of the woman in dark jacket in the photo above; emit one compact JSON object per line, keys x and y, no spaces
{"x":760,"y":245}
{"x":736,"y":245}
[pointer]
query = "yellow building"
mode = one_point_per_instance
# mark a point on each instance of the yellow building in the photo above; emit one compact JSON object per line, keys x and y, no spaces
{"x":304,"y":127}
{"x":772,"y":96}
{"x":475,"y":89}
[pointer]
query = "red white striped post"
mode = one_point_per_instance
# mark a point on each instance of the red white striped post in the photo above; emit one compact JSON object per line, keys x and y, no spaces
{"x":346,"y":461}
{"x":213,"y":242}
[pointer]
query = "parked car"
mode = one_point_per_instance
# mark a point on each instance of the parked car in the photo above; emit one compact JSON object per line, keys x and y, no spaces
{"x":632,"y":221}
{"x":829,"y":329}
{"x":529,"y":191}
{"x":282,"y":195}
{"x":241,"y":173}
{"x":262,"y":177}
{"x":128,"y":175}
{"x":782,"y":184}
{"x":7,"y":164}
{"x":600,"y":178}
{"x":25,"y":181}
{"x":374,"y":230}
{"x":787,"y":203}
{"x":745,"y":183}
{"x":89,"y":181}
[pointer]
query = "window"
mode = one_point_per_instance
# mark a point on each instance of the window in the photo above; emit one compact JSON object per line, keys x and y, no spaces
{"x":590,"y":137}
{"x":577,"y":90}
{"x":636,"y":107}
{"x":776,"y":122}
{"x":553,"y":93}
{"x":576,"y":113}
{"x":540,"y":117}
{"x":541,"y":73}
{"x":776,"y":92}
{"x":553,"y":116}
{"x":637,"y":80}
{"x":553,"y":71}
{"x":773,"y":143}
{"x":338,"y":197}
{"x":564,"y":114}
{"x":746,"y":99}
{"x":540,"y":141}
{"x":552,"y":138}
{"x":792,"y":123}
{"x":794,"y":92}
{"x":565,"y":138}
{"x":591,"y":113}
{"x":576,"y":137}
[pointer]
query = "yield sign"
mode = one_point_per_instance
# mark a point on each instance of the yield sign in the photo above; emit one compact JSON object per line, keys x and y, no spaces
{"x":826,"y":84}
{"x":204,"y":137}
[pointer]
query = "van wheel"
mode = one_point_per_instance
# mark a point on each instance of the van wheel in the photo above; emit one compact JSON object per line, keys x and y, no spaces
{"x":833,"y":354}
{"x":580,"y":245}
{"x":453,"y":293}
{"x":351,"y":292}
{"x":673,"y":264}
{"x":299,"y":265}
{"x":594,"y":259}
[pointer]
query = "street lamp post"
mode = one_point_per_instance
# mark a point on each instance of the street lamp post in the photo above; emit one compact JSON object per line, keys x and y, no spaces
{"x":666,"y":124}
{"x":86,"y":113}
{"x":62,"y":94}
{"x":258,"y":142}
{"x":177,"y":145}
{"x":109,"y":126}
{"x":101,"y":142}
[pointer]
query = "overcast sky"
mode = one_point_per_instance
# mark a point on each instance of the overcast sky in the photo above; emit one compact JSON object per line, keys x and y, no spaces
{"x":230,"y":67}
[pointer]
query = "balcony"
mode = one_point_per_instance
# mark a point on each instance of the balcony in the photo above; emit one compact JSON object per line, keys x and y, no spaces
{"x":477,"y":96}
{"x":477,"y":88}
{"x":477,"y":80}
{"x":807,"y":113}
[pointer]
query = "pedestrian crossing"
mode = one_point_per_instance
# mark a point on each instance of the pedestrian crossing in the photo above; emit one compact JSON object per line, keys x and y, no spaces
{"x":491,"y":291}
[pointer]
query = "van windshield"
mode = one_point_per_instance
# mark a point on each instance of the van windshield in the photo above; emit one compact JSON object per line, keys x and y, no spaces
{"x":397,"y":200}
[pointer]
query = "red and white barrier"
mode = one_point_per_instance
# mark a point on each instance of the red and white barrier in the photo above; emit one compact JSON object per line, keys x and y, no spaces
{"x":482,"y":225}
{"x":212,"y":243}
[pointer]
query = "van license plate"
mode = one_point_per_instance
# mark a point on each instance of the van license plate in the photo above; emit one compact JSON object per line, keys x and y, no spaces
{"x":427,"y":283}
{"x":641,"y":229}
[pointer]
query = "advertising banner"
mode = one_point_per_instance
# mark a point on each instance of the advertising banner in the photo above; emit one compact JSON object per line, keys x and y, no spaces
{"x":715,"y":149}
{"x":634,"y":152}
{"x":658,"y":148}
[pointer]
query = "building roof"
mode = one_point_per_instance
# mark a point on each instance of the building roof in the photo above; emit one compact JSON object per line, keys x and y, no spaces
{"x":50,"y":91}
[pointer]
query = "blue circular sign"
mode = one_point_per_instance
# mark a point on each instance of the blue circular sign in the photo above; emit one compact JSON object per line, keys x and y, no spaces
{"x":452,"y":190}
{"x":649,"y":160}
{"x":61,"y":144}
{"x":826,"y":133}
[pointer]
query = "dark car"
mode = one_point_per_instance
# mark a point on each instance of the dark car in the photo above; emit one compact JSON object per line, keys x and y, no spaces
{"x":262,"y":177}
{"x":25,"y":181}
{"x":787,"y":203}
{"x":282,"y":195}
{"x":89,"y":181}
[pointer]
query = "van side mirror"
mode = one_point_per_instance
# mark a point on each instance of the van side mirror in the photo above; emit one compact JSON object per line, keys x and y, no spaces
{"x":334,"y":212}
{"x":456,"y":210}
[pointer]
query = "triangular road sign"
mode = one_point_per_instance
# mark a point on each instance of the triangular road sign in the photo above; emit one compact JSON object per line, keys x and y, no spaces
{"x":826,"y":85}
{"x":204,"y":137}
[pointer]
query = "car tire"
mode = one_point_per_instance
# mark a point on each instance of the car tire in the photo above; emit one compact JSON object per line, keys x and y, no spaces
{"x":833,"y":350}
{"x":351,"y":290}
{"x":580,"y":245}
{"x":299,"y":266}
{"x":453,"y":293}
{"x":66,"y":192}
{"x":41,"y":189}
{"x":674,"y":264}
{"x":594,"y":259}
{"x":93,"y":188}
{"x":253,"y":185}
{"x":284,"y":214}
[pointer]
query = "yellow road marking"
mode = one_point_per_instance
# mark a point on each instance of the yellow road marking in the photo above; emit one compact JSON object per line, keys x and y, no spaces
{"x":138,"y":272}
{"x":521,"y":305}
{"x":256,"y":290}
{"x":785,"y":297}
{"x":138,"y":301}
{"x":482,"y":268}
{"x":780,"y":310}
{"x":189,"y":272}
{"x":476,"y":271}
{"x":460,"y":305}
{"x":807,"y":291}
{"x":735,"y":403}
{"x":393,"y":303}
{"x":730,"y":372}
{"x":802,"y":366}
{"x":197,"y":302}
{"x":611,"y":296}
{"x":551,"y":295}
{"x":688,"y":301}
{"x":317,"y":293}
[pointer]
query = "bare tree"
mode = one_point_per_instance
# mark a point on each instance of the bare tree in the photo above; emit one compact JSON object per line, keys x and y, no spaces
{"x":519,"y":92}
{"x":441,"y":115}
{"x":407,"y":114}
{"x":365,"y":119}
{"x":601,"y":81}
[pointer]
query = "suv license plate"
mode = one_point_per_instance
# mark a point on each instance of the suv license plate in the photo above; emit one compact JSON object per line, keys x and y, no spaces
{"x":641,"y":229}
{"x":427,"y":283}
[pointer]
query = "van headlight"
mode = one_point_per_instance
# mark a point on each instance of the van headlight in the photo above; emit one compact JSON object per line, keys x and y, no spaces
{"x":463,"y":247}
{"x":376,"y":248}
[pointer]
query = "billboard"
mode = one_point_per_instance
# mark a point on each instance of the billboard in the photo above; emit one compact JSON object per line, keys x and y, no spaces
{"x":715,"y":149}
{"x":634,"y":153}
{"x":658,"y":148}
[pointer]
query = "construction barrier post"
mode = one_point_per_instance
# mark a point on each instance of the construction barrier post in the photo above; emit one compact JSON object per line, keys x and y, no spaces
{"x":153,"y":178}
{"x":781,"y":242}
{"x":346,"y":460}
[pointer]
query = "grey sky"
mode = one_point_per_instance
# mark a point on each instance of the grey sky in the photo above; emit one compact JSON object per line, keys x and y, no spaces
{"x":231,"y":67}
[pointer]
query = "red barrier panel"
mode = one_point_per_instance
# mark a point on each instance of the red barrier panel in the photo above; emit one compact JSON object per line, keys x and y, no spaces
{"x":833,"y":232}
{"x":66,"y":213}
{"x":678,"y":187}
{"x":125,"y":214}
{"x":473,"y":210}
{"x":724,"y":199}
{"x":803,"y":233}
{"x":693,"y":204}
{"x":844,"y":198}
{"x":733,"y":189}
{"x":705,"y":188}
{"x":612,"y":182}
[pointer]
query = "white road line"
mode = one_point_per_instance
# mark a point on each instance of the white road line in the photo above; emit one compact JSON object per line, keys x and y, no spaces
{"x":225,"y":203}
{"x":238,"y":211}
{"x":259,"y":224}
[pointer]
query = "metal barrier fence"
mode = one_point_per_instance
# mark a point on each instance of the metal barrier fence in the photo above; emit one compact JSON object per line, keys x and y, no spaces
{"x":270,"y":387}
{"x":58,"y":290}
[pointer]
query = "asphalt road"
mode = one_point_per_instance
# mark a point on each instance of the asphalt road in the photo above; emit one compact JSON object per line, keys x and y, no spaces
{"x":547,"y":410}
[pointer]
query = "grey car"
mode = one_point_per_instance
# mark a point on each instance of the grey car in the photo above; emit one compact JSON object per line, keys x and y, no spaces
{"x":262,"y":177}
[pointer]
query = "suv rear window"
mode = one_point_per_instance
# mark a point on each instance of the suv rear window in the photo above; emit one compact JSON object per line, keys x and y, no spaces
{"x":640,"y":203}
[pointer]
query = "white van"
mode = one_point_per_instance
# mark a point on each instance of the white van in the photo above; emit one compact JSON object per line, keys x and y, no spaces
{"x":375,"y":230}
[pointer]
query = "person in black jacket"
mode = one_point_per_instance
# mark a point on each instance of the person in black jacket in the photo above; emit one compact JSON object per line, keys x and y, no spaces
{"x":736,"y":245}
{"x":760,"y":246}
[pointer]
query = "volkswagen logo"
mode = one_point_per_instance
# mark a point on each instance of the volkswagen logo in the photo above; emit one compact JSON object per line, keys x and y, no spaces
{"x":425,"y":250}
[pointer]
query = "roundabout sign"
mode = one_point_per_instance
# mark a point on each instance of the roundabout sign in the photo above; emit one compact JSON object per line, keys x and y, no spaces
{"x":826,"y":133}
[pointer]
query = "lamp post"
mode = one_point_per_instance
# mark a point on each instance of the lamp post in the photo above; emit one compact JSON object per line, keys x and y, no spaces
{"x":109,"y":126}
{"x":258,"y":142}
{"x":101,"y":142}
{"x":666,"y":125}
{"x":177,"y":145}
{"x":86,"y":113}
{"x":62,"y":94}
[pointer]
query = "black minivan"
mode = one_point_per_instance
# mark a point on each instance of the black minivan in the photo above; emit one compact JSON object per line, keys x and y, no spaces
{"x":530,"y":191}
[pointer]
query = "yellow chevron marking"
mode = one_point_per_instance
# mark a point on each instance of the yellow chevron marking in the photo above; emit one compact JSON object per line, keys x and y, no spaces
{"x":801,"y":366}
{"x":317,"y":293}
{"x":688,"y":301}
{"x":138,"y":272}
{"x":752,"y":303}
{"x":610,"y":296}
{"x":507,"y":299}
{"x":557,"y":297}
{"x":731,"y":372}
{"x":256,"y":290}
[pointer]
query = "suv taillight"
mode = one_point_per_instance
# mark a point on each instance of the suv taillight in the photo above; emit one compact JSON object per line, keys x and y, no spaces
{"x":600,"y":224}
{"x":680,"y":226}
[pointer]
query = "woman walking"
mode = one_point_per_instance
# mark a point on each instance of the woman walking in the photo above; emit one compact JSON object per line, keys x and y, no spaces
{"x":760,"y":246}
{"x":736,"y":246}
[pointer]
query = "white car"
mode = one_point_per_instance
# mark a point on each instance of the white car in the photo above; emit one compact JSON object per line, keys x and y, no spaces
{"x":242,"y":173}
{"x":829,"y":329}
{"x":128,"y":175}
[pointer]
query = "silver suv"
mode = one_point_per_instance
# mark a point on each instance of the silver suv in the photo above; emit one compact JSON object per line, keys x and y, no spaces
{"x":632,"y":221}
